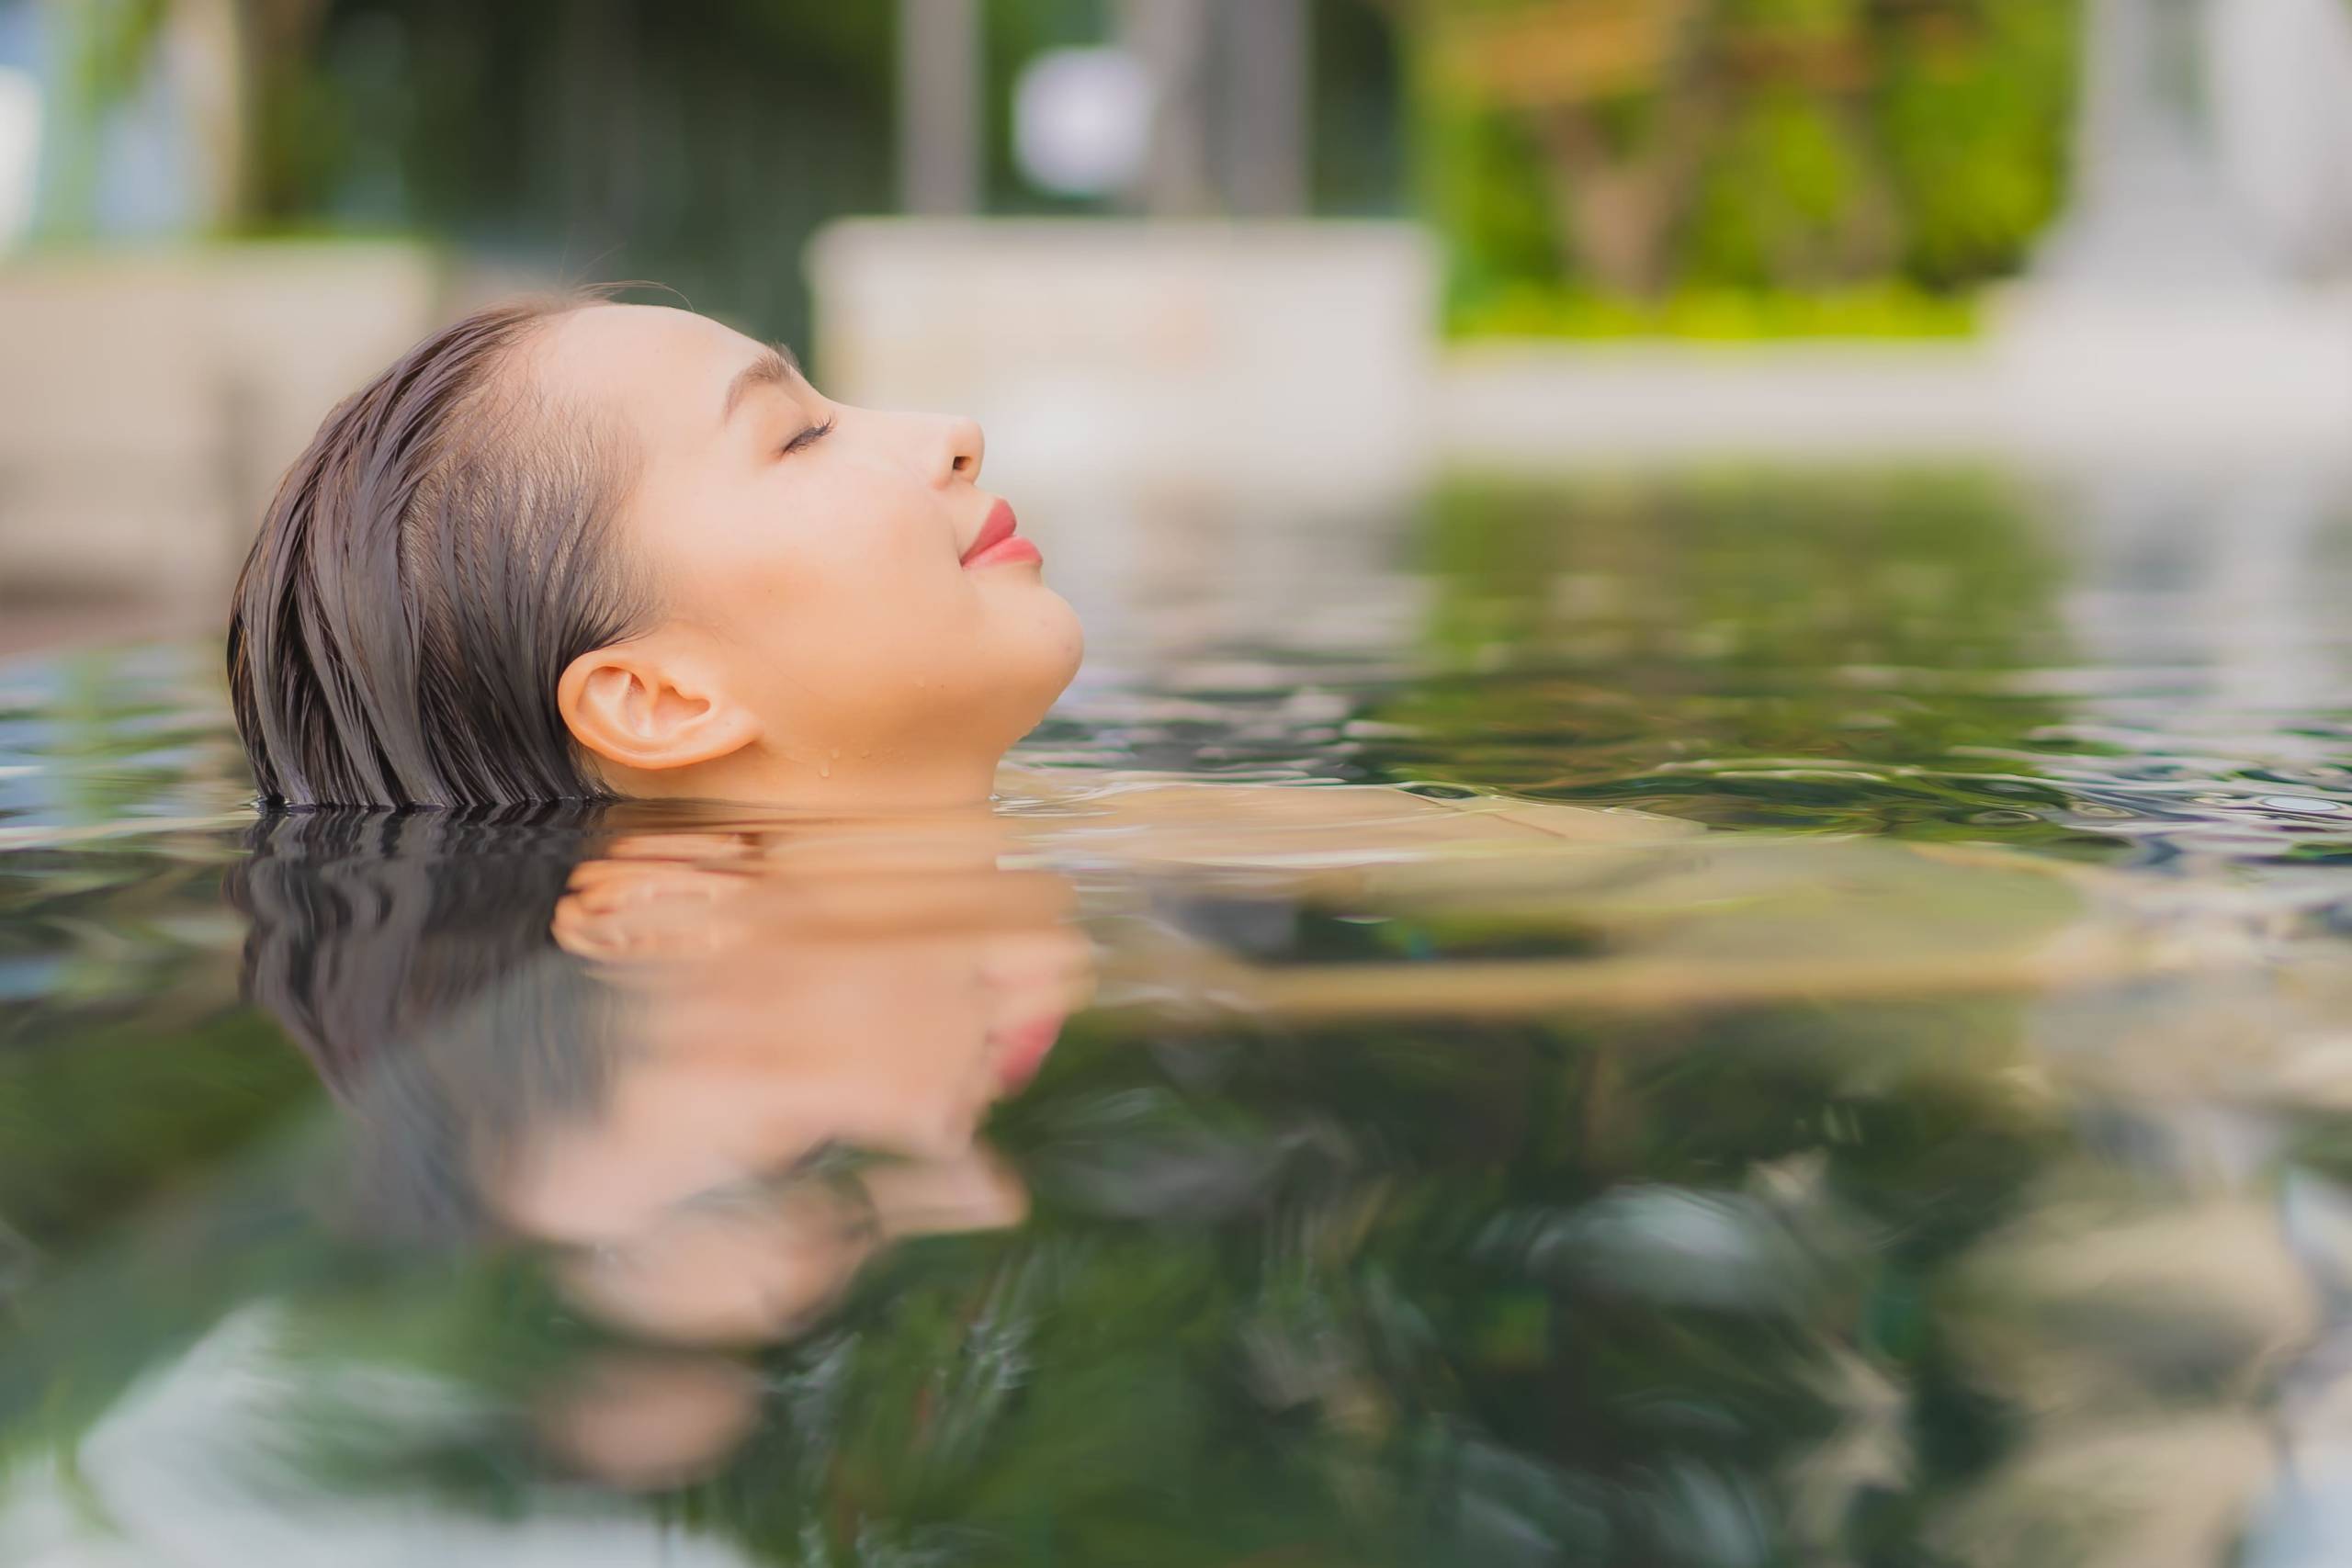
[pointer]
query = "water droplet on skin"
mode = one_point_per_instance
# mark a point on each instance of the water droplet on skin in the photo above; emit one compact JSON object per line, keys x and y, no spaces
{"x":825,"y":770}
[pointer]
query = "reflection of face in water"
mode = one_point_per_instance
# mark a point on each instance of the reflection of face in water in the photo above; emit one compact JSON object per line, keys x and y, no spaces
{"x":714,"y":1076}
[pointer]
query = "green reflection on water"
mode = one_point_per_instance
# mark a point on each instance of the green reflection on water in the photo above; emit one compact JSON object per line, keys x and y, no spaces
{"x":1838,"y":643}
{"x":2008,"y":1279}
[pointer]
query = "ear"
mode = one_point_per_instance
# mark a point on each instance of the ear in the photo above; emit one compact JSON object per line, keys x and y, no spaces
{"x":616,"y":911}
{"x":644,"y":707}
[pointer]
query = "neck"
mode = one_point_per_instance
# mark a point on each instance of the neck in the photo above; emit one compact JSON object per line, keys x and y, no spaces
{"x":824,"y":779}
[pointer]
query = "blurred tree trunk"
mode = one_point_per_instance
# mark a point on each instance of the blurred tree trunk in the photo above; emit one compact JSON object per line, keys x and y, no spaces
{"x":1621,"y":202}
{"x":1174,"y":38}
{"x":1624,"y":100}
{"x":943,"y":115}
{"x":1265,"y":131}
{"x":1630,"y":105}
{"x":277,"y":43}
{"x":237,"y":67}
{"x":204,"y":41}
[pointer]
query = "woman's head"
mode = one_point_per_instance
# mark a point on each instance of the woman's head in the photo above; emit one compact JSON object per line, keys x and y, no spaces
{"x":584,"y":548}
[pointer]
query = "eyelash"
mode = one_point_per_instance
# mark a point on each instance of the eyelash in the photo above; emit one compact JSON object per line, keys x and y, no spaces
{"x":807,"y":438}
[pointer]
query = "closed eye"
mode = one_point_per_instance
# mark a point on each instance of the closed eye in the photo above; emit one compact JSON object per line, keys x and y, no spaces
{"x":807,"y":438}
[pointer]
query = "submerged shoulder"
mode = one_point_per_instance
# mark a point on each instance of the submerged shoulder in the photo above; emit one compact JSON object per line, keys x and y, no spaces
{"x":1221,"y":819}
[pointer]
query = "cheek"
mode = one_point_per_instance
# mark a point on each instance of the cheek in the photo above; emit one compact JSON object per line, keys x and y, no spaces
{"x":857,"y":604}
{"x":838,"y":568}
{"x":842,"y":597}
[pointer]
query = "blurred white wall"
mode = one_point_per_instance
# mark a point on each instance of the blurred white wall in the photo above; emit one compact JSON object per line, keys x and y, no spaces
{"x":149,"y":401}
{"x":1288,"y":359}
{"x":2281,"y":75}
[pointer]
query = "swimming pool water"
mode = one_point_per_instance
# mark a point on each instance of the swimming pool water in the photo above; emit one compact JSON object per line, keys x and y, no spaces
{"x":343,"y":1217}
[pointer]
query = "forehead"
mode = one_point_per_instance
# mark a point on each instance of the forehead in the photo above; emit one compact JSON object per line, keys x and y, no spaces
{"x":665,"y":371}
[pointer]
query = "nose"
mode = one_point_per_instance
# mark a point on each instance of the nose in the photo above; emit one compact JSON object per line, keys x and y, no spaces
{"x":963,"y":450}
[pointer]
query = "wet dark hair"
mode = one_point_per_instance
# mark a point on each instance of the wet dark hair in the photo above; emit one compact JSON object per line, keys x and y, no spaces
{"x":427,"y":569}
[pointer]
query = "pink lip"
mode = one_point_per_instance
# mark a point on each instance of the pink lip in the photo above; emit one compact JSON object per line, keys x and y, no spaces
{"x":1025,"y":1049}
{"x":1000,"y":543}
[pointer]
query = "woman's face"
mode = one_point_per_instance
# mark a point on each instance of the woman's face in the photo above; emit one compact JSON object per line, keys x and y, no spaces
{"x":836,"y":577}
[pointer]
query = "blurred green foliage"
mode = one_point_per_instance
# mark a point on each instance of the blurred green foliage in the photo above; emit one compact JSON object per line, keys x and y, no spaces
{"x":1720,"y":314}
{"x":1880,"y":157}
{"x":697,"y":146}
{"x":607,"y":137}
{"x":1699,"y":168}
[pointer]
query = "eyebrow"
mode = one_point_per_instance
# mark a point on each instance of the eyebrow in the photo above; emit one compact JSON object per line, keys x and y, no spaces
{"x":776,"y":367}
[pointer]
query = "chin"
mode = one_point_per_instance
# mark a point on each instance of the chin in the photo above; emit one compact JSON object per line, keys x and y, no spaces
{"x":1046,"y":660}
{"x":1028,"y":651}
{"x":1070,"y":651}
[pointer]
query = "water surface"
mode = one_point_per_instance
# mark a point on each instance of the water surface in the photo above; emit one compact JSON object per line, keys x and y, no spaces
{"x":1941,"y":1160}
